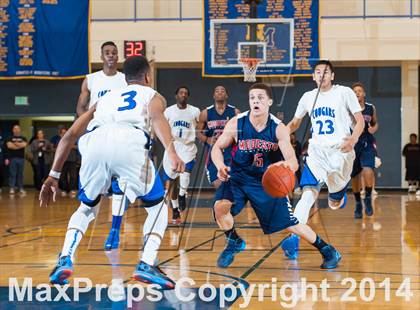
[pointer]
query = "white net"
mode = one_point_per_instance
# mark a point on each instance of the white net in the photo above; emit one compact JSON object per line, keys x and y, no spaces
{"x":250,"y":66}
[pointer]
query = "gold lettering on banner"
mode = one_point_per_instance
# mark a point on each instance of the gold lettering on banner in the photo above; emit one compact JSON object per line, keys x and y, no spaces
{"x":26,"y":13}
{"x":26,"y":27}
{"x":3,"y":66}
{"x":26,"y":41}
{"x":3,"y":51}
{"x":26,"y":1}
{"x":26,"y":52}
{"x":26,"y":62}
{"x":4,"y":17}
{"x":4,"y":3}
{"x":49,"y":1}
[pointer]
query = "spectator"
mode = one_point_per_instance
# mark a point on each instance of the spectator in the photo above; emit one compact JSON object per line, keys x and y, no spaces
{"x":411,"y":152}
{"x":15,"y":159}
{"x":42,"y":151}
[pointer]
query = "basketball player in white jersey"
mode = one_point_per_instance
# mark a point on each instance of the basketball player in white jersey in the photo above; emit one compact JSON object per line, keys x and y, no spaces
{"x":331,"y":147}
{"x":114,"y":135}
{"x":94,"y":86}
{"x":183,"y":120}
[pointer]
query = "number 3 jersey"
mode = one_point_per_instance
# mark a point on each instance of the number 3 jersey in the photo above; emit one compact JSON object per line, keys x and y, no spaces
{"x":254,"y":151}
{"x":126,"y":107}
{"x":183,"y":123}
{"x":332,"y":115}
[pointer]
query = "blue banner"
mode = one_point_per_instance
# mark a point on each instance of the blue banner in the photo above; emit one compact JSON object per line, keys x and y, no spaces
{"x":283,"y":35}
{"x":44,"y":39}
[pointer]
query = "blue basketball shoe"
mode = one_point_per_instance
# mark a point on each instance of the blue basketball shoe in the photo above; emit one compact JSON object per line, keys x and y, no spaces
{"x":233,"y":247}
{"x":368,"y":206}
{"x":113,"y":240}
{"x":290,"y":246}
{"x":153,"y":275}
{"x":331,"y":257}
{"x":62,"y":271}
{"x":358,"y":210}
{"x":343,"y":205}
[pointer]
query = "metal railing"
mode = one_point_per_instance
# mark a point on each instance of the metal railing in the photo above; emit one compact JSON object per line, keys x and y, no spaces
{"x":183,"y":10}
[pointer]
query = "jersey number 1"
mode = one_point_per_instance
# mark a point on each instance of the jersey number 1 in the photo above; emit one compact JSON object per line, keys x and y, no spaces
{"x":129,"y":98}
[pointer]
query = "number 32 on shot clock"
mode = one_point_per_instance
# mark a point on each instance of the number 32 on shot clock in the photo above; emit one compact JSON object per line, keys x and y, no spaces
{"x":134,"y":48}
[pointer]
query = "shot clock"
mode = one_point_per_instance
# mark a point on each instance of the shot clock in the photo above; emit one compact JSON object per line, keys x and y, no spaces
{"x":134,"y":48}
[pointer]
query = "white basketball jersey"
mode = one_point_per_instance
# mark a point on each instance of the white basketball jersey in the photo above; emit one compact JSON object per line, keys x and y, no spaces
{"x":183,"y":122}
{"x":332,"y":116}
{"x":99,"y":84}
{"x":126,"y":106}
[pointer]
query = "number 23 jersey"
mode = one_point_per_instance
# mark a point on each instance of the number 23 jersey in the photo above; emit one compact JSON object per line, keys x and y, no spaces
{"x":332,"y":115}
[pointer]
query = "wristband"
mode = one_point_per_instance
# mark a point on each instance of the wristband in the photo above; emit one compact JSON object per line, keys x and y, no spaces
{"x":54,"y":174}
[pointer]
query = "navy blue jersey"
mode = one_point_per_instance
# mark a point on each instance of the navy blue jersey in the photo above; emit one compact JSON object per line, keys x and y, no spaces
{"x":216,"y":122}
{"x":368,"y":116}
{"x":255,"y":151}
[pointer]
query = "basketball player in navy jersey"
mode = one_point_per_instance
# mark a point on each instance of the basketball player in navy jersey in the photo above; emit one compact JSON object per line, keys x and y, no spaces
{"x":211,"y":124}
{"x":95,"y":86}
{"x":261,"y":140}
{"x":364,"y":163}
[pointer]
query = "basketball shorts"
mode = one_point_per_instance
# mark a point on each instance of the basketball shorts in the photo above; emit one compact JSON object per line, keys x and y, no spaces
{"x":186,"y":152}
{"x":117,"y":152}
{"x":329,"y":166}
{"x":365,"y":157}
{"x":274,"y":214}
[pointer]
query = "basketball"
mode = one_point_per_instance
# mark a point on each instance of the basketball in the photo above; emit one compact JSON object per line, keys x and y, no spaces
{"x":278,"y":181}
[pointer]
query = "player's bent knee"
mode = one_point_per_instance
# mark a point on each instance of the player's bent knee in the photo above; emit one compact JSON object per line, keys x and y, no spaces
{"x":152,"y":203}
{"x":222,"y":207}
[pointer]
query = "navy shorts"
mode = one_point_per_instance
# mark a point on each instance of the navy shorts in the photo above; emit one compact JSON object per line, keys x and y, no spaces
{"x":365,"y":157}
{"x":274,"y":214}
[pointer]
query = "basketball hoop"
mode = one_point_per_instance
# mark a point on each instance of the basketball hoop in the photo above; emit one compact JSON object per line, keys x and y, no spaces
{"x":250,"y":66}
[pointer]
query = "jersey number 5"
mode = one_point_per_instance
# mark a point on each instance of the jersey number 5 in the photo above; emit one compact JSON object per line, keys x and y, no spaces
{"x":129,"y":98}
{"x":258,"y":160}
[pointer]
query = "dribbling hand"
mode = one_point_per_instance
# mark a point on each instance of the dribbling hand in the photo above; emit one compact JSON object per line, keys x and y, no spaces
{"x":177,"y":164}
{"x":223,"y":173}
{"x":48,"y":191}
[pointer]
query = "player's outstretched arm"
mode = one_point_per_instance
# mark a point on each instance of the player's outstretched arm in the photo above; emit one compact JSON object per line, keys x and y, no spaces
{"x":50,"y":186}
{"x":286,"y":148}
{"x":84,"y":97}
{"x":294,"y":124}
{"x":163,"y":131}
{"x":225,"y":140}
{"x":201,"y":126}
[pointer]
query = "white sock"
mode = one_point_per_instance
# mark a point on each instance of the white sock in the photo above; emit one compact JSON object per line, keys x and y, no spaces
{"x":304,"y":206}
{"x":153,"y":231}
{"x":118,"y":207}
{"x":78,"y":224}
{"x":175,"y":204}
{"x":184,"y":182}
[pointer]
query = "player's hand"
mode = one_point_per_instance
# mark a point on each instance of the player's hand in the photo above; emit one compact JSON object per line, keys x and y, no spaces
{"x":347,"y":145}
{"x":288,"y":164}
{"x":223,"y":173}
{"x":177,"y":164}
{"x":6,"y":162}
{"x":48,"y":191}
{"x":371,"y":130}
{"x":210,"y":140}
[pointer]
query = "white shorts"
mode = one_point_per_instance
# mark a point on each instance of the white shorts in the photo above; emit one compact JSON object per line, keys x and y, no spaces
{"x":186,"y":152}
{"x":115,"y":151}
{"x":330,"y":166}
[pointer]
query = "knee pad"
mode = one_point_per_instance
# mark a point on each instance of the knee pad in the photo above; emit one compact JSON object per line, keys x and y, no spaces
{"x":157,"y":220}
{"x":82,"y":217}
